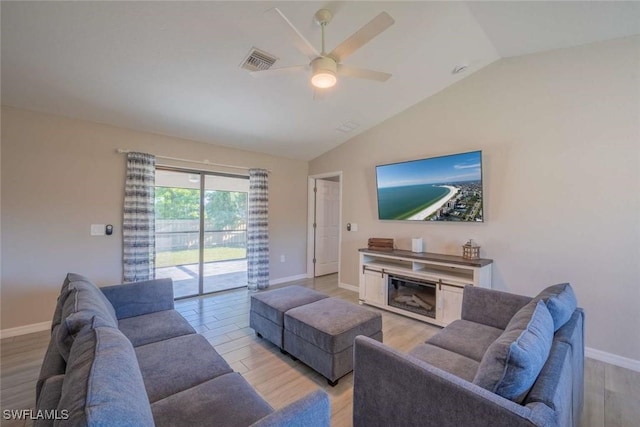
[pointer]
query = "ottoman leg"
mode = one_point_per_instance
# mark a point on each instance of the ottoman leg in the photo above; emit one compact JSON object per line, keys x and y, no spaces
{"x":333,"y":383}
{"x":258,"y":334}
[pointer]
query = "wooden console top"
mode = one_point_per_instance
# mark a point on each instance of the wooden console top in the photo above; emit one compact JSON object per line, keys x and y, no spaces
{"x":428,"y":256}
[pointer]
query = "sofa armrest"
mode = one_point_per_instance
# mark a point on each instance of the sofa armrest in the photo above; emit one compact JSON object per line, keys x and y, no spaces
{"x":313,"y":410}
{"x":135,"y":299}
{"x":391,"y":388}
{"x":490,"y":307}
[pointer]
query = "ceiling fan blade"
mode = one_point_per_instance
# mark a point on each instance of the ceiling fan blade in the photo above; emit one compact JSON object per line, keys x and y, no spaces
{"x":278,"y":71}
{"x":362,"y":36}
{"x":299,"y":41}
{"x":362,"y":73}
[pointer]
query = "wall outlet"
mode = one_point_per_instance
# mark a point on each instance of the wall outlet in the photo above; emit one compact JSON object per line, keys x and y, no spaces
{"x":97,"y":229}
{"x":282,"y":258}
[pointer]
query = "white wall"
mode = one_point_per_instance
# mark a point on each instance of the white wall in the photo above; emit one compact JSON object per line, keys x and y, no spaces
{"x":560,"y":135}
{"x":60,"y":175}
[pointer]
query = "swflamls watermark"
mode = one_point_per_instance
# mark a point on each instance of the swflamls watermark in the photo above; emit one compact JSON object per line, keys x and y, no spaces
{"x":32,"y":414}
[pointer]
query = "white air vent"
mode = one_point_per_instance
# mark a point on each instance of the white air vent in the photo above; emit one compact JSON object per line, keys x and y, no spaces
{"x":258,"y":60}
{"x":348,"y":126}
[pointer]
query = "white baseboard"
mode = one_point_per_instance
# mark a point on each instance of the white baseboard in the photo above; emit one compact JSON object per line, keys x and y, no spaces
{"x":23,"y":330}
{"x":288,"y":279}
{"x":612,"y":359}
{"x":348,"y":287}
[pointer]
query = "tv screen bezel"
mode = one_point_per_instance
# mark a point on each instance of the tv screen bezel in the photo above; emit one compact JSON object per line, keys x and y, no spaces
{"x":433,"y":158}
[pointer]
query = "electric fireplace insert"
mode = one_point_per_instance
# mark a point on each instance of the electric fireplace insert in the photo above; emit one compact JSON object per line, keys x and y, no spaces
{"x":414,"y":295}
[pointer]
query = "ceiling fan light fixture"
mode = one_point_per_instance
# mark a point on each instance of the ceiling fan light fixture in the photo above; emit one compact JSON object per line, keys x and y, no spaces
{"x":324,"y":79}
{"x":324,"y":72}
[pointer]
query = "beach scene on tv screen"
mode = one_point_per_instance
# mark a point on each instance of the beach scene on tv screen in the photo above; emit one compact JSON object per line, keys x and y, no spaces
{"x":447,"y":188}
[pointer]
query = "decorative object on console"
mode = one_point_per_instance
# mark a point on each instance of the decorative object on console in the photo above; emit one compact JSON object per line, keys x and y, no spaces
{"x":417,"y":245}
{"x":380,"y":244}
{"x":470,"y":250}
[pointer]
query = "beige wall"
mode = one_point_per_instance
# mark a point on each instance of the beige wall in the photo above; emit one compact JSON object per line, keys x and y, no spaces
{"x":61,"y":175}
{"x":560,"y":135}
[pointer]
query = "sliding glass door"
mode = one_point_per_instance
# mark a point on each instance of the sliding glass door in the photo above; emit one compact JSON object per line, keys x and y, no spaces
{"x":201,"y":231}
{"x":225,"y":233}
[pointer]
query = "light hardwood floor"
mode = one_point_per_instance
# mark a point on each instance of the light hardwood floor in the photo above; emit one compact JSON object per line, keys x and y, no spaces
{"x":611,"y":393}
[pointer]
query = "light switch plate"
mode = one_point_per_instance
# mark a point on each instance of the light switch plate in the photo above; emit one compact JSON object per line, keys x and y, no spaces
{"x":354,"y":226}
{"x":97,"y":229}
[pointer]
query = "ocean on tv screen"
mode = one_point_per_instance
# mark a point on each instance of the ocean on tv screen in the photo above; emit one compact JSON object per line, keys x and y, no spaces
{"x":460,"y":201}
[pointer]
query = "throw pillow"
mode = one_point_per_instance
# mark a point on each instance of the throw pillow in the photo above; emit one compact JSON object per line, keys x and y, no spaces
{"x":62,"y":297}
{"x":103,"y":385}
{"x":83,"y":304}
{"x":561,"y":302}
{"x":513,"y":362}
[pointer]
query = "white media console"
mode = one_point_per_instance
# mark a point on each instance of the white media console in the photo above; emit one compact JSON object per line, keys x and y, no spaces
{"x":424,"y":286}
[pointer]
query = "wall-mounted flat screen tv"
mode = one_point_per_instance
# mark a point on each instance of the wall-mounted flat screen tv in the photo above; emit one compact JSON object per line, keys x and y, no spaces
{"x":446,"y":188}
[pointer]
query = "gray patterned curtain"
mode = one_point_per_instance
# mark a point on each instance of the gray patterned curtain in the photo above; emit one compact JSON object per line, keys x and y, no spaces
{"x":258,"y":231}
{"x":138,"y":226}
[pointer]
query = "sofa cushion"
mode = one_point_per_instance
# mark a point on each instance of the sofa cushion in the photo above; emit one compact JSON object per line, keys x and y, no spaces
{"x":62,"y":296}
{"x":476,"y":302}
{"x":572,"y":333}
{"x":138,"y":298}
{"x":78,"y":281}
{"x":555,"y":386}
{"x":227,"y":400}
{"x":52,"y":364}
{"x":48,"y":399}
{"x":561,"y":302}
{"x":103,"y":384}
{"x":512,"y":363}
{"x":467,"y":338}
{"x":193,"y":361}
{"x":154,"y":327}
{"x":84,"y":303}
{"x":446,"y":360}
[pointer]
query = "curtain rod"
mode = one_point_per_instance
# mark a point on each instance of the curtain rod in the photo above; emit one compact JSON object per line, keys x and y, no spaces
{"x":201,"y":162}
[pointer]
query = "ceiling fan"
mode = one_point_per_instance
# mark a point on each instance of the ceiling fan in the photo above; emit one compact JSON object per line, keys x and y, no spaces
{"x":325,"y":67}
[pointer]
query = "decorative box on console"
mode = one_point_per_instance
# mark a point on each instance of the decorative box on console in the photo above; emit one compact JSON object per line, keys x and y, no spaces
{"x":380,"y":244}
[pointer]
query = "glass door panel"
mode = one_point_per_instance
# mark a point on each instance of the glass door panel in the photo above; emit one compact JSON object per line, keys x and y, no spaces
{"x":225,"y":233}
{"x":178,"y":230}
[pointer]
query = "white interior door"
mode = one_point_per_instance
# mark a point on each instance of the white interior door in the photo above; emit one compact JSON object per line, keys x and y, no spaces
{"x":327,"y":227}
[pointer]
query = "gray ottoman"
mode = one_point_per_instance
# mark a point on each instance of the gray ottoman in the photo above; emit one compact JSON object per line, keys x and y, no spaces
{"x":321,"y":334}
{"x":266,"y":316}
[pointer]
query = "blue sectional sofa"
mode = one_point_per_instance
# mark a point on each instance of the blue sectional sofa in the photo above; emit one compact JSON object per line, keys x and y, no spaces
{"x":122,"y":356}
{"x":510,"y":361}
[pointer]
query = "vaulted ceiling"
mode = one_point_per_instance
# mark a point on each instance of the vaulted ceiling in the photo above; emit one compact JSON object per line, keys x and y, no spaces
{"x":173,"y":67}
